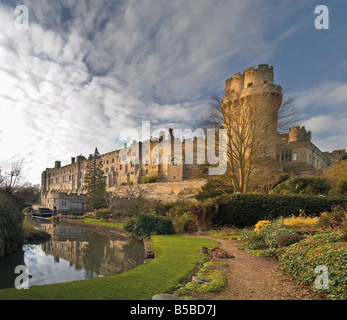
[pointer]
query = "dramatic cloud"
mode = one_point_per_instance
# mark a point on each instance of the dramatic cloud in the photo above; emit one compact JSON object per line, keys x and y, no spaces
{"x":87,"y":69}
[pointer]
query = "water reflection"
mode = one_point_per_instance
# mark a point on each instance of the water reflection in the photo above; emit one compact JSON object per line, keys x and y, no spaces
{"x":73,"y":253}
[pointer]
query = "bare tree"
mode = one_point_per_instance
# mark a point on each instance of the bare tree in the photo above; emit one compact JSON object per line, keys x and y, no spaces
{"x":251,"y":136}
{"x":11,"y":178}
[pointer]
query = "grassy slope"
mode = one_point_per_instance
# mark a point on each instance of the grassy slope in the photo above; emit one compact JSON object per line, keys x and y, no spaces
{"x":176,"y":257}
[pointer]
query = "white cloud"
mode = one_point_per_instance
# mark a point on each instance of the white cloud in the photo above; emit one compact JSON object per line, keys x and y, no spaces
{"x":68,"y":86}
{"x":328,"y":125}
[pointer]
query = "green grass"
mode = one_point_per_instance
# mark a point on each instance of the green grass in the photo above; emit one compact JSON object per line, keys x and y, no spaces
{"x":175,"y":258}
{"x":118,"y":225}
{"x":225,"y":233}
{"x":215,"y":271}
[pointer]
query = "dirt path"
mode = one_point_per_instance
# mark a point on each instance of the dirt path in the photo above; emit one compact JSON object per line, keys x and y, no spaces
{"x":257,"y":278}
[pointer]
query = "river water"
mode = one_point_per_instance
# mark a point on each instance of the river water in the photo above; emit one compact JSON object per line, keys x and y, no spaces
{"x":73,"y":253}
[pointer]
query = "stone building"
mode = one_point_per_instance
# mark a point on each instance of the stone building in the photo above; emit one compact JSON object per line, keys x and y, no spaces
{"x":63,"y":186}
{"x":292,"y":151}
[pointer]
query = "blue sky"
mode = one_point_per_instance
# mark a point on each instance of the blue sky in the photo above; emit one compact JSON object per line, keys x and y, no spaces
{"x":87,"y":69}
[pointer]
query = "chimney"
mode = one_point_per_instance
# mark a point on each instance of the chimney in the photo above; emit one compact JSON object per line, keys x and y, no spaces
{"x":57,"y":164}
{"x":73,"y":160}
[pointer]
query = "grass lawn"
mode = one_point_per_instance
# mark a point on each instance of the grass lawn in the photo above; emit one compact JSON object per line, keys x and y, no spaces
{"x":118,"y":225}
{"x":175,"y":259}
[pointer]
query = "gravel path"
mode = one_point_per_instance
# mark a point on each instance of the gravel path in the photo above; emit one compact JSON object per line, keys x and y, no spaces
{"x":257,"y":278}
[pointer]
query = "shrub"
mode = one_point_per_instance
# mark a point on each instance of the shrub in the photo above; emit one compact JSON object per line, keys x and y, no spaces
{"x":303,"y":186}
{"x":11,"y":225}
{"x":103,"y":214}
{"x":260,"y":225}
{"x":302,"y":221}
{"x":184,"y":223}
{"x":254,"y":242}
{"x":247,"y":209}
{"x":204,"y":214}
{"x":271,"y":232}
{"x":286,"y":240}
{"x":212,"y":189}
{"x":150,"y":179}
{"x":335,"y":219}
{"x":326,"y":248}
{"x":145,"y":224}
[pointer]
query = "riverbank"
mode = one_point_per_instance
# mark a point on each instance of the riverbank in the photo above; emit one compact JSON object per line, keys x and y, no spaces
{"x":175,"y":259}
{"x":115,"y":227}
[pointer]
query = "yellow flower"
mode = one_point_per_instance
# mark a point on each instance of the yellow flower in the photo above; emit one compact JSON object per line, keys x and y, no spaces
{"x":260,"y":225}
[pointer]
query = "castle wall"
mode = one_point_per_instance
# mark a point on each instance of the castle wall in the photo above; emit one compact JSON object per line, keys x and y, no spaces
{"x":165,"y":191}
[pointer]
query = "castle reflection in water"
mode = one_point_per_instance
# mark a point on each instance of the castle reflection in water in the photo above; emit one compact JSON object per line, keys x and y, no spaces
{"x":95,"y":252}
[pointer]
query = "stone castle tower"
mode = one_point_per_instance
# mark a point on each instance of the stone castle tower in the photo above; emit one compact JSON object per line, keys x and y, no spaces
{"x":256,"y":85}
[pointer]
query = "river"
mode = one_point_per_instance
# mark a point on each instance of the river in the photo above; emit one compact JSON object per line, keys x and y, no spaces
{"x":73,"y":253}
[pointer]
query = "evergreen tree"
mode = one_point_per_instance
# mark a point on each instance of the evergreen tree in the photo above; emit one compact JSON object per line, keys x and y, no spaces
{"x":95,"y":182}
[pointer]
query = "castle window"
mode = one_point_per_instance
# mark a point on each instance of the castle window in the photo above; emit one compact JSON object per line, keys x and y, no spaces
{"x":249,"y":84}
{"x":266,"y":82}
{"x":295,"y":156}
{"x":286,"y":155}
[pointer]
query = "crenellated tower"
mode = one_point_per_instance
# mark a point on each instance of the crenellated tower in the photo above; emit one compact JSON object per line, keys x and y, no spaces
{"x":256,"y":85}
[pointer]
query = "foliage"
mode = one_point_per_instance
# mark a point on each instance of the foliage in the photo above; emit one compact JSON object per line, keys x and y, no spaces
{"x":204,"y":213}
{"x":337,"y":175}
{"x":33,"y":234}
{"x":260,"y":225}
{"x":150,"y":179}
{"x":212,"y":189}
{"x":336,"y":219}
{"x":123,"y":208}
{"x":29,"y":193}
{"x":11,"y":224}
{"x":184,"y":223}
{"x":271,"y":232}
{"x":247,"y":209}
{"x":303,"y":186}
{"x":103,"y":214}
{"x":95,"y":182}
{"x":215,"y":271}
{"x":286,"y":240}
{"x":144,"y":224}
{"x":325,"y":248}
{"x":301,"y":221}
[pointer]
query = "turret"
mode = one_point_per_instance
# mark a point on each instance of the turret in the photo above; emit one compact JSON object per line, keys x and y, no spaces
{"x":298,"y":134}
{"x":256,"y":87}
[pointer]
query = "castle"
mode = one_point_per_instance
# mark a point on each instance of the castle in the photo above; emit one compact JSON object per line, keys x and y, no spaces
{"x":63,"y":186}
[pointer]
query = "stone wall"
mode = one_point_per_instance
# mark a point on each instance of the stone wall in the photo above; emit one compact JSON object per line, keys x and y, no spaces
{"x":164,"y":191}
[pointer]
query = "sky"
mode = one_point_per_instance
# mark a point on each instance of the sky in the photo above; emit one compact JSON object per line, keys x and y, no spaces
{"x":85,"y":70}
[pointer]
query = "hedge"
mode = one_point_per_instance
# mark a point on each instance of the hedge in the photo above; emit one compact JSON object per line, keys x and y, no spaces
{"x":145,"y":224}
{"x":242,"y":210}
{"x":11,"y":225}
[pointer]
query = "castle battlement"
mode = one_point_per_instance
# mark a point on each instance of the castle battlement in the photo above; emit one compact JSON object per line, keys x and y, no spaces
{"x":252,"y":78}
